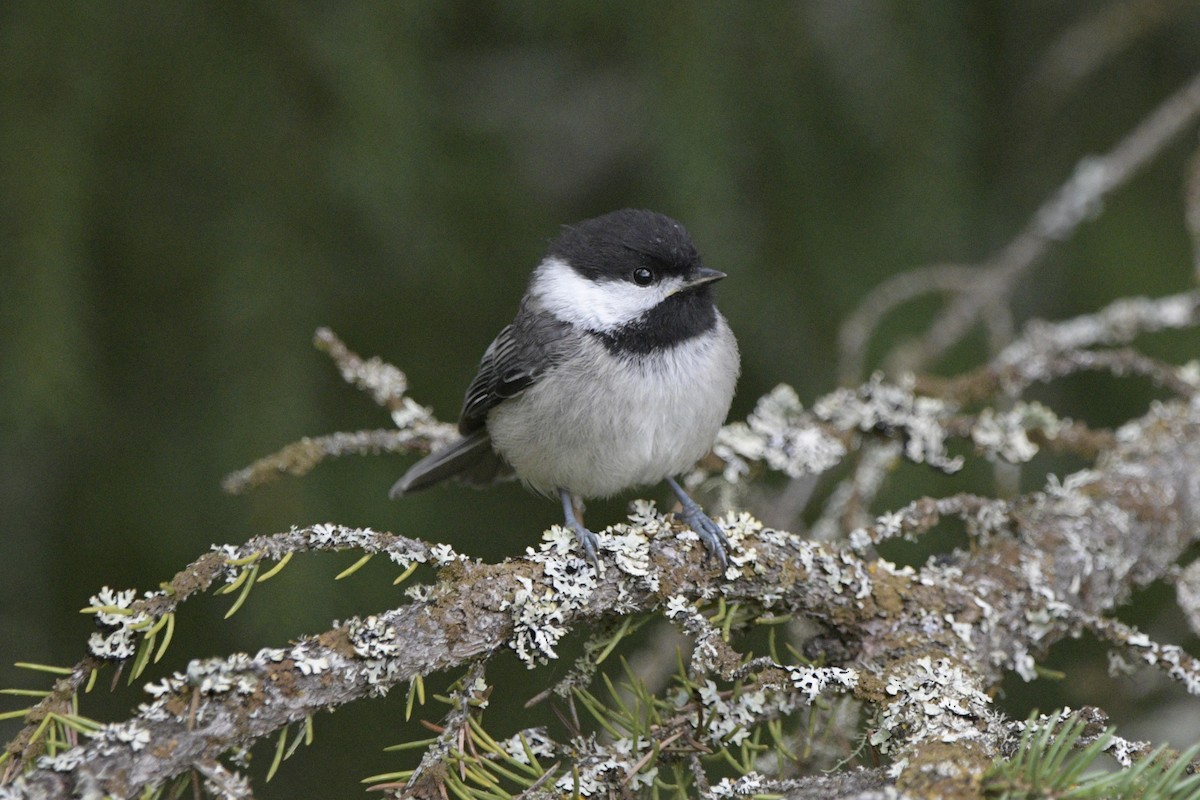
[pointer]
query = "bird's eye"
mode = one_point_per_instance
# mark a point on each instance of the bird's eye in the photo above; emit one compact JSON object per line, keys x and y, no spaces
{"x":643,"y":276}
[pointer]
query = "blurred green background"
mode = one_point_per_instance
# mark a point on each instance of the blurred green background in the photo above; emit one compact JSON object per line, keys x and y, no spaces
{"x":187,"y":190}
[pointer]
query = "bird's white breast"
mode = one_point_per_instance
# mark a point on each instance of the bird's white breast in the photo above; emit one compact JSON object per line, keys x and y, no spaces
{"x":601,"y":423}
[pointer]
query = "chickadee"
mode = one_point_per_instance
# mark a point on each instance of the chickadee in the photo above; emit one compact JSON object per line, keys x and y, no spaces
{"x":617,"y":372}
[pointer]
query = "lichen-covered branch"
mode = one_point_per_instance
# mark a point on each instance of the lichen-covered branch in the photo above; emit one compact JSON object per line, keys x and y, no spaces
{"x":927,"y":644}
{"x":416,"y":429}
{"x":299,"y":458}
{"x":1046,"y":351}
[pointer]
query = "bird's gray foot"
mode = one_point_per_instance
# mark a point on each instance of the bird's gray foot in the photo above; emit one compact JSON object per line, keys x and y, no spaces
{"x":706,"y":528}
{"x":587,"y":540}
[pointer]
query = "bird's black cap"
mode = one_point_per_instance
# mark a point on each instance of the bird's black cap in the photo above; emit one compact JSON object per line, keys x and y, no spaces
{"x":611,"y":246}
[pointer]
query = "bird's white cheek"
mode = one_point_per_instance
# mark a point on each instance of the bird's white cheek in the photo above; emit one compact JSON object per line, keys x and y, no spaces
{"x":596,"y":306}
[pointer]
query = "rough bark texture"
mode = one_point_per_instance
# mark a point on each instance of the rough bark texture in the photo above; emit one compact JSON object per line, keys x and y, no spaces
{"x":947,"y":631}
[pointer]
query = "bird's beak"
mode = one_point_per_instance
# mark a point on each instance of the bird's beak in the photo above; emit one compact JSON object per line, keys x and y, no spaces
{"x":704,"y":275}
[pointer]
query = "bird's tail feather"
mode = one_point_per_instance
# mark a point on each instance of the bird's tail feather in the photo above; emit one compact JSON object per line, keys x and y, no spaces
{"x":470,"y":460}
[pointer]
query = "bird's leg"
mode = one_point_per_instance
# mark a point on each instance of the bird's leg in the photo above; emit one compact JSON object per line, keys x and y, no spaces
{"x":587,"y":539}
{"x":710,"y":532}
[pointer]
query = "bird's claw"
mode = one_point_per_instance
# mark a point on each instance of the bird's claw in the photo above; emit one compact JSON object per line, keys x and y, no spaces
{"x":706,"y":528}
{"x":587,"y":540}
{"x":588,"y":543}
{"x":710,"y":533}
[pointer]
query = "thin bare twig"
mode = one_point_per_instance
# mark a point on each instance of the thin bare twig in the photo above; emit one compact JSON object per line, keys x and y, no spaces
{"x":299,"y":458}
{"x":416,"y":429}
{"x":856,"y":331}
{"x":1075,"y":201}
{"x":1101,"y":34}
{"x":1192,"y":209}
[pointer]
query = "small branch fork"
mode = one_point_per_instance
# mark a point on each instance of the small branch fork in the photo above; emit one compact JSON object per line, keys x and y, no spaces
{"x":980,"y":290}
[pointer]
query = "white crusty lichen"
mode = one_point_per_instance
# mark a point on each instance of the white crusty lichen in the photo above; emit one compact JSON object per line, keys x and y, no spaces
{"x":894,"y":410}
{"x":1066,"y":491}
{"x":982,"y":518}
{"x":402,"y":552}
{"x":706,"y":638}
{"x":476,"y":693}
{"x":1189,"y":373}
{"x":1118,"y":323}
{"x":814,"y":681}
{"x":118,"y":641}
{"x":1172,"y":660}
{"x":539,"y":623}
{"x":66,"y":761}
{"x":740,"y":529}
{"x":749,"y":785}
{"x":376,"y":642}
{"x":678,"y":606}
{"x":530,"y":742}
{"x":744,"y":786}
{"x":240,"y":675}
{"x":845,"y":571}
{"x":310,"y":663}
{"x":540,"y":608}
{"x":408,"y":413}
{"x":733,"y":719}
{"x":888,"y":525}
{"x":130,"y":733}
{"x":444,"y":554}
{"x":780,"y":434}
{"x":223,"y":784}
{"x":934,"y":700}
{"x":328,"y":536}
{"x":599,"y":767}
{"x":1003,"y":435}
{"x":107,"y":740}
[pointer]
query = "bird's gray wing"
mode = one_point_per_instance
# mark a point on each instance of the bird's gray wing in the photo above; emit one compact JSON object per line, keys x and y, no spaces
{"x":514,"y":361}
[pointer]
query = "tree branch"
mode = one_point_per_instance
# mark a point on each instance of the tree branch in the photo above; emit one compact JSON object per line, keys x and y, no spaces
{"x":1078,"y":199}
{"x":944,"y":634}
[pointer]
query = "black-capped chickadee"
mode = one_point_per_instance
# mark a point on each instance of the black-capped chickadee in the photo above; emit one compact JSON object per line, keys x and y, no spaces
{"x":617,"y":372}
